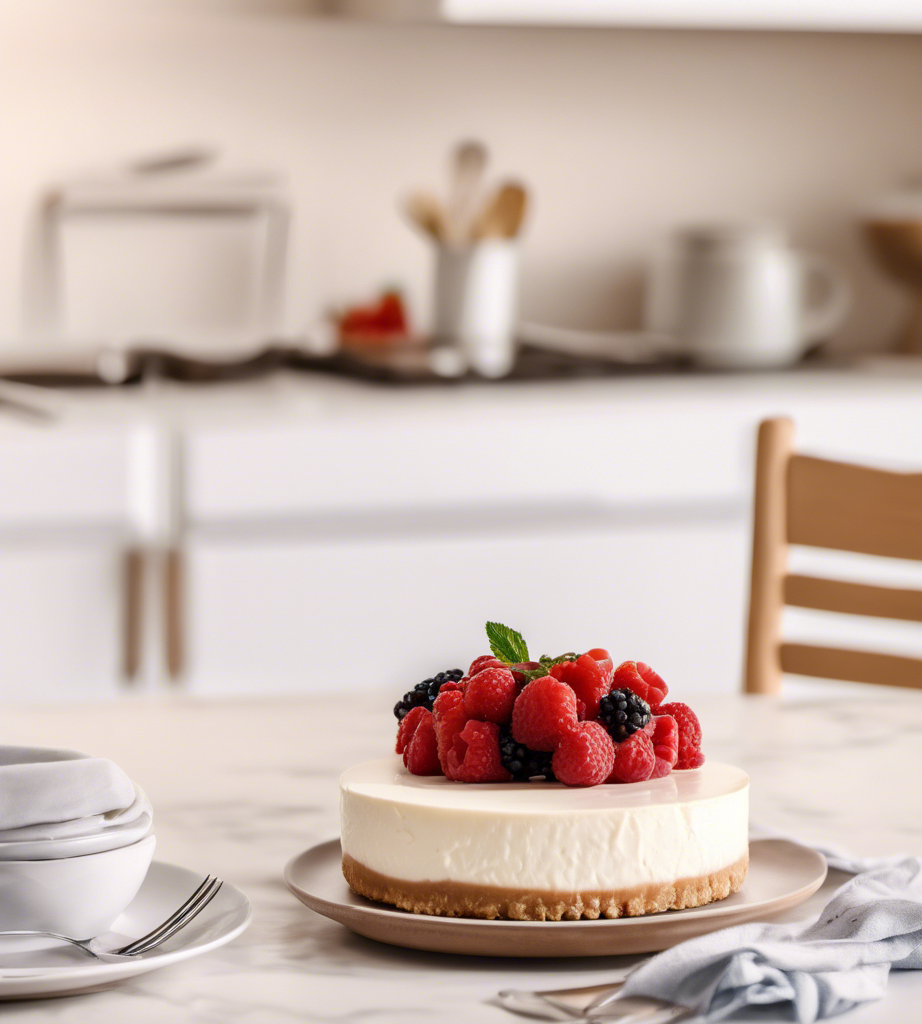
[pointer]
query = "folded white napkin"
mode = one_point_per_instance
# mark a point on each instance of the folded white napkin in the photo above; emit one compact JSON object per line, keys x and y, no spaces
{"x":39,"y":788}
{"x":805,"y":972}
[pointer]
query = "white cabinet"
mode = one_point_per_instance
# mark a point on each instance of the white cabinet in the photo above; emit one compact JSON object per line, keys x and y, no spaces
{"x":62,"y":526}
{"x":60,"y":628}
{"x":362,"y":614}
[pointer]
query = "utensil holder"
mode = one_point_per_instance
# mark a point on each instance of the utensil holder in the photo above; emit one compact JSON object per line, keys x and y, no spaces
{"x":476,"y":303}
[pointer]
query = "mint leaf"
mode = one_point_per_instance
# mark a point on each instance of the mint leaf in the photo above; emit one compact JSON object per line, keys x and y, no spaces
{"x":506,"y":643}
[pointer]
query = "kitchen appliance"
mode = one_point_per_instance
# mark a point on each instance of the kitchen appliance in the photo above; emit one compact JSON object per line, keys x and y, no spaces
{"x":738,"y":297}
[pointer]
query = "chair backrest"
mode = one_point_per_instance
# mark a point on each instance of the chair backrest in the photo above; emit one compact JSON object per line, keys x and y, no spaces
{"x":836,"y":505}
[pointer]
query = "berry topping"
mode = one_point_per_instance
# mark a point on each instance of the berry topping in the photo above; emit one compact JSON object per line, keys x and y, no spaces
{"x":421,"y":755}
{"x":423,"y":694}
{"x":634,"y":759}
{"x":521,"y":762}
{"x":490,"y":695}
{"x":622,"y":713}
{"x":587,"y":679}
{"x":603,"y":659}
{"x":584,"y":756}
{"x":544,"y":712}
{"x":665,"y":739}
{"x":408,"y":726}
{"x":474,"y":755}
{"x":485,"y":661}
{"x":636,"y":676}
{"x":449,"y":718}
{"x":690,"y":755}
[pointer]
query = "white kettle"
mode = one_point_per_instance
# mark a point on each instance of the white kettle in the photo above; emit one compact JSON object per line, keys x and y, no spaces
{"x":740,"y":297}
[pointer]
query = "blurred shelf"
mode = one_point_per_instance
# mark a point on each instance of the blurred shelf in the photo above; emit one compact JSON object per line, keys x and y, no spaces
{"x":822,"y":15}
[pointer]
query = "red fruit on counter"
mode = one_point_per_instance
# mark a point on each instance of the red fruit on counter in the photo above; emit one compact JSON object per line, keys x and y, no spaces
{"x":543,"y":712}
{"x":642,"y":680}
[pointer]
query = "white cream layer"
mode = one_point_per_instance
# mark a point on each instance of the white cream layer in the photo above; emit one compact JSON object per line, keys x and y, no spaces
{"x":544,"y":836}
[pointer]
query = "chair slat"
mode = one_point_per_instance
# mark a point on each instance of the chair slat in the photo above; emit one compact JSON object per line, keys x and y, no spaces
{"x":853,"y":598}
{"x":851,"y":666}
{"x":853,"y":508}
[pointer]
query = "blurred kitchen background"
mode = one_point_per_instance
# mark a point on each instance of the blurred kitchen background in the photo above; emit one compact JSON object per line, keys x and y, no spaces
{"x":329,"y":331}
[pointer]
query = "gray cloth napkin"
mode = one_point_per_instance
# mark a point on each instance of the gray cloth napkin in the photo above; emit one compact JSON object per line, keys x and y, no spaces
{"x":806,"y":972}
{"x":40,"y":787}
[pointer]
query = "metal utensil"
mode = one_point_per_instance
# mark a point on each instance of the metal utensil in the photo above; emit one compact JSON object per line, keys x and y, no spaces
{"x":178,"y":920}
{"x":593,"y":1003}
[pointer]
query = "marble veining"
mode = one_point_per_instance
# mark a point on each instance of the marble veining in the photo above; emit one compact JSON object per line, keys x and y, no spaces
{"x":240,"y":787}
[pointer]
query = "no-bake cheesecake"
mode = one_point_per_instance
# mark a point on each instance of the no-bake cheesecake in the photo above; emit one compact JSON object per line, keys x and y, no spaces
{"x":556,"y":789}
{"x":542,"y":851}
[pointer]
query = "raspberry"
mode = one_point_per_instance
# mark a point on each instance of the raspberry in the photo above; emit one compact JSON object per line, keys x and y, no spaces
{"x":408,"y":726}
{"x":474,"y":755}
{"x":485,"y":661}
{"x":544,"y":711}
{"x":584,"y":756}
{"x":634,"y":759}
{"x":587,"y":679}
{"x":689,"y":734}
{"x":636,"y":676}
{"x":603,"y":658}
{"x":490,"y":695}
{"x":622,"y":713}
{"x":421,"y":756}
{"x":449,"y":718}
{"x":665,"y":745}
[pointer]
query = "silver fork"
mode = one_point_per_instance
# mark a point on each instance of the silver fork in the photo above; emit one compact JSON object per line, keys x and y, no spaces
{"x":193,"y":906}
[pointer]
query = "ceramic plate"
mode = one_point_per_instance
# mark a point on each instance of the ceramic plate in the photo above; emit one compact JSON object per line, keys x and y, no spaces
{"x":781,"y":875}
{"x":32,"y":968}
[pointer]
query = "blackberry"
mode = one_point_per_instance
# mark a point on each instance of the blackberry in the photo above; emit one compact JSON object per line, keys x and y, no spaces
{"x":623,"y":713}
{"x":423,"y":694}
{"x":521,"y":762}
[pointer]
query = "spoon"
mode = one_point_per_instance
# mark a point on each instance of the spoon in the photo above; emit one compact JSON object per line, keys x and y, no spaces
{"x":469,"y":162}
{"x":503,"y":215}
{"x":428,"y":214}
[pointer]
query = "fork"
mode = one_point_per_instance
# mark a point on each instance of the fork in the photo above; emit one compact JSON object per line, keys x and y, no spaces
{"x":193,"y":906}
{"x":593,"y":1003}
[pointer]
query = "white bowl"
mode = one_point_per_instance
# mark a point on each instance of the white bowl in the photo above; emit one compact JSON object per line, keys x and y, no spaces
{"x":112,"y":838}
{"x":75,"y":896}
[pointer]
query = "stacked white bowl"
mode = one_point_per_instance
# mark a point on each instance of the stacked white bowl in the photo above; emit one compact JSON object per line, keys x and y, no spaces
{"x":76,"y":841}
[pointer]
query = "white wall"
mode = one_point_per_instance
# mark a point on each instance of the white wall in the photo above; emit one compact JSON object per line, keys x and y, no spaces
{"x":620,"y":133}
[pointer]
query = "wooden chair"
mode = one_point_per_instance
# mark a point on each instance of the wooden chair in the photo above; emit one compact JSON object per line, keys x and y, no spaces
{"x":824,"y":504}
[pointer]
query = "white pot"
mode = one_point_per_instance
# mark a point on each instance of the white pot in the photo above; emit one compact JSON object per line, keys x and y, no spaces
{"x":78,"y":896}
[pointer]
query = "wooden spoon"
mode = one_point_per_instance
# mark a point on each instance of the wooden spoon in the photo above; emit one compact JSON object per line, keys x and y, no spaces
{"x":504,"y":214}
{"x":428,"y":214}
{"x":469,"y":162}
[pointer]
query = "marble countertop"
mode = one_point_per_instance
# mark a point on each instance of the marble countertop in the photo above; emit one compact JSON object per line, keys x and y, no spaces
{"x":239,"y":788}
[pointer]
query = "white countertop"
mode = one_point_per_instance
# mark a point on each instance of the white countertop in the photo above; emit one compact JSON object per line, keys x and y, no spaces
{"x":292,"y":396}
{"x":239,"y":788}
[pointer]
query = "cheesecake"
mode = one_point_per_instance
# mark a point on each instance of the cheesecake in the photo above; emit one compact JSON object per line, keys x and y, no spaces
{"x":543,"y":851}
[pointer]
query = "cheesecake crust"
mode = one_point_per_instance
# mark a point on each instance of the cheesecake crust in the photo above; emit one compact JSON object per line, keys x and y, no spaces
{"x":461,"y":899}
